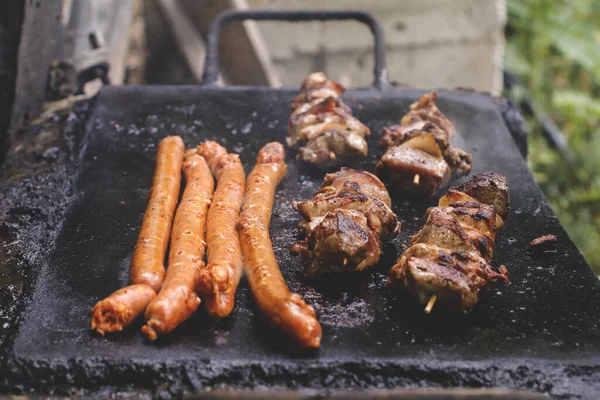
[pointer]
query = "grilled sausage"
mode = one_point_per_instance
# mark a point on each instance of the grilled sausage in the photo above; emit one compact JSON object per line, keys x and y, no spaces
{"x":120,"y":308}
{"x":219,"y":280}
{"x":177,"y":299}
{"x":147,"y":264}
{"x":282,"y":308}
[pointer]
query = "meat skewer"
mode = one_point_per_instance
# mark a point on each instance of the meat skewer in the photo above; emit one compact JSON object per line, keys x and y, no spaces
{"x":219,"y":280}
{"x":322,"y":127}
{"x":448,"y":260}
{"x":345,"y":223}
{"x":147,"y":264}
{"x":284,"y":309}
{"x":177,"y":299}
{"x":418,"y":155}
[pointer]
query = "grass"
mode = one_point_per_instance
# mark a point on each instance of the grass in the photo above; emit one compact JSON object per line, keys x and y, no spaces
{"x":553,"y":46}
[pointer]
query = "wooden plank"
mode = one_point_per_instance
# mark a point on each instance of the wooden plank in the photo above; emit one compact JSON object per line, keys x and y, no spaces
{"x":135,"y":63}
{"x":36,"y":52}
{"x":164,"y":61}
{"x":187,"y":38}
{"x":11,"y":17}
{"x":118,"y":44}
{"x":244,"y":57}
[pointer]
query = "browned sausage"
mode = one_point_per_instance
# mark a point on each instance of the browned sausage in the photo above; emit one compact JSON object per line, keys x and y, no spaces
{"x":147,"y":270}
{"x":219,"y":280}
{"x":177,"y":299}
{"x":147,"y":264}
{"x":284,"y":309}
{"x":120,"y":308}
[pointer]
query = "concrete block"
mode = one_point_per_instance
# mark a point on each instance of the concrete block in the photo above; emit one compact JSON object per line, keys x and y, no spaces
{"x":463,"y":36}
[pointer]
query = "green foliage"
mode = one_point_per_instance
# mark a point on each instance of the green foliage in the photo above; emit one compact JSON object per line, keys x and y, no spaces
{"x":554,"y":47}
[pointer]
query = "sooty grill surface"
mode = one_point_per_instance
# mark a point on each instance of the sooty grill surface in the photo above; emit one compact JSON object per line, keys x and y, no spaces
{"x":540,"y":332}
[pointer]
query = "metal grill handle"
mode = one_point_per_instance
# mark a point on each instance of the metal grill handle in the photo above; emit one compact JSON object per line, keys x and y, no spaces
{"x":211,"y":65}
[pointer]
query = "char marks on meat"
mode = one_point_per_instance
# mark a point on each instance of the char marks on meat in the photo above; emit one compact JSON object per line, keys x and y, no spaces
{"x":420,"y":146}
{"x":322,"y":127}
{"x":489,"y":188}
{"x":345,"y":223}
{"x":449,"y":257}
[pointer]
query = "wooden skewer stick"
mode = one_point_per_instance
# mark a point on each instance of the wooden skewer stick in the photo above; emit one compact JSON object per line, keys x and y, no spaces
{"x":345,"y":261}
{"x":332,"y":155}
{"x":429,"y":306}
{"x":416,"y":179}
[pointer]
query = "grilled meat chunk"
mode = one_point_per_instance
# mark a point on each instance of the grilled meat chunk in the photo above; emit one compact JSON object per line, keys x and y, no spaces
{"x":396,"y":135}
{"x":379,"y":216}
{"x":325,"y":115}
{"x":423,"y":128}
{"x":489,"y":188}
{"x":339,"y":242}
{"x":425,"y":142}
{"x":454,"y":276}
{"x":332,"y":148}
{"x":425,"y":278}
{"x":322,"y":127}
{"x":316,"y":86}
{"x":351,"y":181}
{"x":446,"y":231}
{"x":345,"y":223}
{"x":400,"y":164}
{"x":425,"y":109}
{"x":481,"y":217}
{"x":459,"y":161}
{"x":542,"y":244}
{"x":474,"y":266}
{"x":448,"y":260}
{"x":454,"y":196}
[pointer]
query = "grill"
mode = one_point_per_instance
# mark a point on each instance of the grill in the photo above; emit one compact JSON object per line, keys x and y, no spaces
{"x":539,"y":333}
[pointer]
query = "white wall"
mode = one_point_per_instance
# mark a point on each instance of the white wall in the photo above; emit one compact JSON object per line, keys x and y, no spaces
{"x":430,"y":43}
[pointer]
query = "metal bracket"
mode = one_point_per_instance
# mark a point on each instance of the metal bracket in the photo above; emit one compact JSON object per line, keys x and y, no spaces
{"x":211,"y":65}
{"x":68,"y":77}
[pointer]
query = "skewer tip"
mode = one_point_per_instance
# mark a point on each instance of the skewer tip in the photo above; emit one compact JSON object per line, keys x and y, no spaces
{"x":332,"y":155}
{"x":417,"y":179}
{"x":345,"y":260}
{"x":430,"y":304}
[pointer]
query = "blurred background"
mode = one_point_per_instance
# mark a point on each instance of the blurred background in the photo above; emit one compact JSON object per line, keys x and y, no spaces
{"x":543,"y":55}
